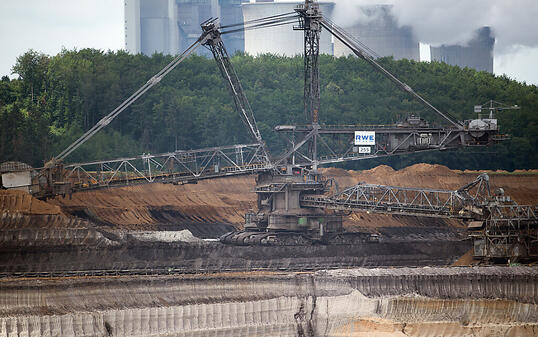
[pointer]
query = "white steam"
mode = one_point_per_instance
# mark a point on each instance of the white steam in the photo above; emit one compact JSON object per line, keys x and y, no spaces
{"x":514,"y":22}
{"x":349,"y":12}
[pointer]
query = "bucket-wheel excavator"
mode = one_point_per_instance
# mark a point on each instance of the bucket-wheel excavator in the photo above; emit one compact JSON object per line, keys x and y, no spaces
{"x":292,"y":203}
{"x":289,"y":211}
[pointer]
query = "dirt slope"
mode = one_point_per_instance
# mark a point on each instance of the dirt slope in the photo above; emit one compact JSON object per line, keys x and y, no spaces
{"x":361,"y":302}
{"x":225,"y":200}
{"x":140,"y":207}
{"x":19,"y":210}
{"x":520,"y":184}
{"x":22,"y":202}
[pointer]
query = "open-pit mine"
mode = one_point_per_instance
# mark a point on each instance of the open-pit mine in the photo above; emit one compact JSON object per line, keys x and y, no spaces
{"x":251,"y":240}
{"x":143,"y":261}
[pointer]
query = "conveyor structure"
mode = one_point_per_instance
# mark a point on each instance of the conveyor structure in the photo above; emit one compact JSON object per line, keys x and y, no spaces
{"x":292,"y":194}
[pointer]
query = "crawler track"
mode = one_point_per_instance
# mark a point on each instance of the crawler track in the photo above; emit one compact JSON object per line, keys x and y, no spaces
{"x":250,"y":238}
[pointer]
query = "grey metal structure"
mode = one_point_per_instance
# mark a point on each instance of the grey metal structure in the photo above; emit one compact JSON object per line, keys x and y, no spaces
{"x":499,"y":227}
{"x":178,"y":167}
{"x":507,"y":230}
{"x":394,"y":139}
{"x":291,"y":208}
{"x":287,"y":201}
{"x":125,"y":104}
{"x":214,"y":42}
{"x":54,"y":180}
{"x":390,"y":140}
{"x":364,"y":54}
{"x":280,"y":40}
{"x":462,"y":203}
{"x":309,"y":22}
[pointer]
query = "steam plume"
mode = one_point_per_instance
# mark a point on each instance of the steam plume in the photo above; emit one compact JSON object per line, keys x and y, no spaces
{"x":514,"y":23}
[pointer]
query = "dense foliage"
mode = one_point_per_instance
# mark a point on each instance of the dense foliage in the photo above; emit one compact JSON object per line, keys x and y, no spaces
{"x":56,"y":98}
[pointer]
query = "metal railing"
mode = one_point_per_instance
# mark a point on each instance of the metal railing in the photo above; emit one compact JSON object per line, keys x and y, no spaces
{"x":461,"y":203}
{"x":178,"y":166}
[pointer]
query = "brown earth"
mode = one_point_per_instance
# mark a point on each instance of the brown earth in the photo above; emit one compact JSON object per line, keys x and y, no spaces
{"x":22,"y":202}
{"x":465,"y":260}
{"x":520,"y":184}
{"x":225,"y":200}
{"x":140,"y":207}
{"x":19,"y":210}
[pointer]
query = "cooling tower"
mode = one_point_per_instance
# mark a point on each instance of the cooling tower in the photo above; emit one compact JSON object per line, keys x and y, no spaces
{"x":477,"y":54}
{"x":378,"y":30}
{"x":154,"y":26}
{"x":280,"y":40}
{"x":171,"y":26}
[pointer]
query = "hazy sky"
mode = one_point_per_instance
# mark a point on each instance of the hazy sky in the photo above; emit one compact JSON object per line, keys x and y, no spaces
{"x":49,"y":25}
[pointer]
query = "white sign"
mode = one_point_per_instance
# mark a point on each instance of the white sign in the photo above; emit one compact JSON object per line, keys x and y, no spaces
{"x":477,"y":108}
{"x":364,"y":149}
{"x":364,"y":137}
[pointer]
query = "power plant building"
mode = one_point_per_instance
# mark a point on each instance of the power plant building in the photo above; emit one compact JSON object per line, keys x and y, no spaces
{"x":378,"y":30}
{"x":477,"y":54}
{"x":281,"y":40}
{"x":170,"y":26}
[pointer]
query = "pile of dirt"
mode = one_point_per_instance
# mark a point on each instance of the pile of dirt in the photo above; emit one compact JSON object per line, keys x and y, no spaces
{"x":225,"y":200}
{"x":372,"y":222}
{"x":20,"y":211}
{"x":143,"y":207}
{"x":521,"y":185}
{"x":465,"y":260}
{"x":22,"y":202}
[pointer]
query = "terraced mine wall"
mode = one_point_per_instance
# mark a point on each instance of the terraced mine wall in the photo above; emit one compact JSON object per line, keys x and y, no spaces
{"x":28,"y":251}
{"x":479,"y":301}
{"x":134,"y":230}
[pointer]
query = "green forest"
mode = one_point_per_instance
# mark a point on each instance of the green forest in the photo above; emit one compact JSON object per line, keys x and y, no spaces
{"x":56,"y":98}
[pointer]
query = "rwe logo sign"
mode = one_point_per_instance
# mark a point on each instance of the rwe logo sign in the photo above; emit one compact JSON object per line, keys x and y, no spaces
{"x":364,"y":137}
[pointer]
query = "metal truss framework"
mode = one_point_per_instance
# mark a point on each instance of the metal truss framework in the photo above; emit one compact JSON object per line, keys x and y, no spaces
{"x":390,"y":140}
{"x":365,"y":54}
{"x":309,"y":22}
{"x":171,"y":167}
{"x":502,"y":227}
{"x":407,"y":201}
{"x":508,"y":227}
{"x":214,"y":42}
{"x":125,"y":104}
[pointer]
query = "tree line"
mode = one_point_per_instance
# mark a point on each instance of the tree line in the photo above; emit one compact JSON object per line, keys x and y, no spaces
{"x":56,"y":98}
